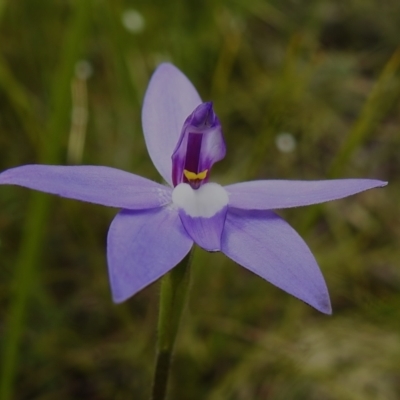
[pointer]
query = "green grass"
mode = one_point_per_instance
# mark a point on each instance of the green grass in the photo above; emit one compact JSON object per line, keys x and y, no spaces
{"x":328,"y":73}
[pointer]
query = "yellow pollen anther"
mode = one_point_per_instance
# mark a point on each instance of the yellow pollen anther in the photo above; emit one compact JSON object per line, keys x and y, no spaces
{"x":191,"y":176}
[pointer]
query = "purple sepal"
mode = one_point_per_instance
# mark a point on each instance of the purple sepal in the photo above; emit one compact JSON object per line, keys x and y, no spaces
{"x":276,"y":194}
{"x":141,"y":247}
{"x":169,"y":99}
{"x":200,"y":145}
{"x":101,"y":185}
{"x":205,"y":232}
{"x":266,"y":245}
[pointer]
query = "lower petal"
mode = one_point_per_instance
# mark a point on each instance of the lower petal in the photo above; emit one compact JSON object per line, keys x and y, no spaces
{"x":206,"y":232}
{"x":202,"y":212}
{"x":266,"y":245}
{"x":141,"y":247}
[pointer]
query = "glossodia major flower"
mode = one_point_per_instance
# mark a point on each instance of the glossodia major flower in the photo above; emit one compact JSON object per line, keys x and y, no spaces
{"x":159,"y":224}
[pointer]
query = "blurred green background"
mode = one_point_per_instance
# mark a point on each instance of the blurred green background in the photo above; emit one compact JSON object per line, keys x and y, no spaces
{"x":304,"y":90}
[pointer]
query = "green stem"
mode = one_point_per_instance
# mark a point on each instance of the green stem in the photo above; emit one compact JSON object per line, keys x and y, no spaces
{"x":174,"y":288}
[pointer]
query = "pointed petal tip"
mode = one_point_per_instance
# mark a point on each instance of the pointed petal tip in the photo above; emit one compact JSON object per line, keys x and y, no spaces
{"x":319,"y":301}
{"x":374,"y":183}
{"x":118,"y":299}
{"x":165,"y":65}
{"x":324,"y":305}
{"x":327,"y":312}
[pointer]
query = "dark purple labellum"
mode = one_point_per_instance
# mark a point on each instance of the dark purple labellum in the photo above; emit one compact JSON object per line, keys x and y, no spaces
{"x":200,"y":145}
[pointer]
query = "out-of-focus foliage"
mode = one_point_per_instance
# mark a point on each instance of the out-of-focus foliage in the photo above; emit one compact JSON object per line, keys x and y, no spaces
{"x":305,"y":90}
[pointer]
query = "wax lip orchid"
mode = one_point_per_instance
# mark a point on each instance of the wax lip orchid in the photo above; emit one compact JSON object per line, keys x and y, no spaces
{"x":158,"y":224}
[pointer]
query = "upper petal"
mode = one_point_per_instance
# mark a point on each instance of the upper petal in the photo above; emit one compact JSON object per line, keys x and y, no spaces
{"x":141,"y":247}
{"x":266,"y":245}
{"x":169,"y":99}
{"x":275,"y":194}
{"x":101,"y":185}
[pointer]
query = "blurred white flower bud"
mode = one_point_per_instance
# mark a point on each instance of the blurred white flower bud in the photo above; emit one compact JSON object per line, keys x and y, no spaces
{"x":285,"y":142}
{"x":133,"y":21}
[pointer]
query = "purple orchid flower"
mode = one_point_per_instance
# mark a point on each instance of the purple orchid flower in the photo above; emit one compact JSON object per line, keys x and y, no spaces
{"x":158,"y":224}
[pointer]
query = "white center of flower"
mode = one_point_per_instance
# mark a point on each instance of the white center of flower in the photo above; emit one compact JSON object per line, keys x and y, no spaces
{"x":204,"y":202}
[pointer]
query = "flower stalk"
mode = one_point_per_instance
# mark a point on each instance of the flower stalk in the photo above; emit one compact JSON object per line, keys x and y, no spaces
{"x":174,"y":289}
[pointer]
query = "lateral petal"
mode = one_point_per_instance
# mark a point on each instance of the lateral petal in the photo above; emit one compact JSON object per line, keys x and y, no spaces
{"x":266,"y":245}
{"x":276,"y":194}
{"x":101,"y":185}
{"x":170,"y":98}
{"x":141,"y":247}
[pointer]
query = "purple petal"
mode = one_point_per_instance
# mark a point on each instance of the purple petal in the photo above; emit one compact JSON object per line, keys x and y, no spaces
{"x":141,"y":247}
{"x":101,"y":185}
{"x":206,"y":232}
{"x":266,"y":245}
{"x":202,"y":212}
{"x":169,"y":99}
{"x":274,"y":194}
